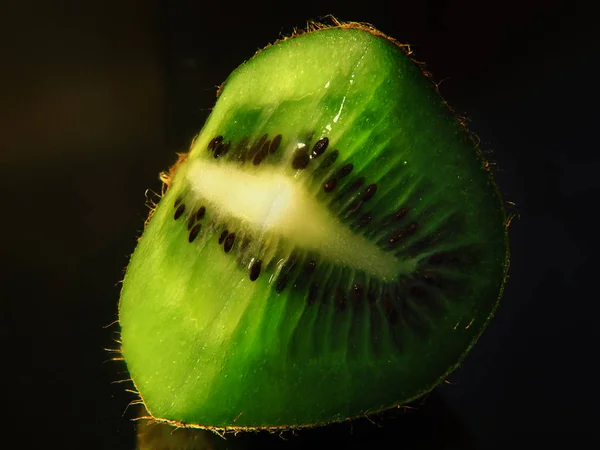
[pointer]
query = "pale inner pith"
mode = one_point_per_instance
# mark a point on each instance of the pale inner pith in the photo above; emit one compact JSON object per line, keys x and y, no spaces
{"x":267,"y":201}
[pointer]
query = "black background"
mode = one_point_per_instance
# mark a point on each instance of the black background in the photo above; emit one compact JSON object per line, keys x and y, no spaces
{"x":96,"y":98}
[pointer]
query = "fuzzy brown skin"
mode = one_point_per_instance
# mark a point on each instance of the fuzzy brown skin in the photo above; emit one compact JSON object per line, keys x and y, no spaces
{"x":152,"y":435}
{"x":167,"y":176}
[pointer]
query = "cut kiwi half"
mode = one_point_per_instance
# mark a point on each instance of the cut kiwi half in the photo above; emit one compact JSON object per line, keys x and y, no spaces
{"x":331,"y":246}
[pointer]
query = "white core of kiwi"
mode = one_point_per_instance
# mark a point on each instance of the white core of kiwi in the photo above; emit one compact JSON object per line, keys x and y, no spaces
{"x":266,"y":201}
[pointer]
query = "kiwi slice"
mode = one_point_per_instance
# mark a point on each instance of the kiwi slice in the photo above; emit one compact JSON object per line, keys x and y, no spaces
{"x":331,"y":246}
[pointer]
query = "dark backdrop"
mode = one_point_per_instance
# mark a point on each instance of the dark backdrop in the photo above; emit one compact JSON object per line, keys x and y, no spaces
{"x":96,"y":98}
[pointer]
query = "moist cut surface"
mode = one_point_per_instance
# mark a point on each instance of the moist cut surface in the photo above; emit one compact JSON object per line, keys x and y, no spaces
{"x":331,"y":246}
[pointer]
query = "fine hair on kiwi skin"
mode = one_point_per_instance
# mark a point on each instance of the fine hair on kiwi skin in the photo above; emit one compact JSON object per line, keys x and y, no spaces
{"x":344,"y":180}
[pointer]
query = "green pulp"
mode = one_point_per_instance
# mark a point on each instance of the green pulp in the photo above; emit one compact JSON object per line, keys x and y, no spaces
{"x":206,"y":346}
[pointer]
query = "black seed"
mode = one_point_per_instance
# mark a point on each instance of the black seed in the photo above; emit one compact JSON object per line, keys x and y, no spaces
{"x":258,"y":158}
{"x":357,"y":184}
{"x":194,"y":233}
{"x":346,"y":170}
{"x":401,"y":213}
{"x":310,"y":267}
{"x":177,"y":202}
{"x":313,"y":292}
{"x":255,"y":270}
{"x":200,"y":213}
{"x":397,"y":236}
{"x":357,"y":290}
{"x":262,"y":140}
{"x":369,"y":192}
{"x":365,"y":219}
{"x":179,"y":211}
{"x":257,"y":147}
{"x":281,"y":283}
{"x":275,"y":144}
{"x":319,"y":147}
{"x":265,"y":148}
{"x":329,"y":185}
{"x":225,"y":147}
{"x":222,"y":149}
{"x":191,"y":222}
{"x":214,"y":142}
{"x":229,"y":242}
{"x":223,"y":236}
{"x":300,"y":160}
{"x":261,"y":154}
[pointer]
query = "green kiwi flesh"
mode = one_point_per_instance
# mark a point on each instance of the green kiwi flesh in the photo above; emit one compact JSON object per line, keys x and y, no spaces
{"x":332,"y":245}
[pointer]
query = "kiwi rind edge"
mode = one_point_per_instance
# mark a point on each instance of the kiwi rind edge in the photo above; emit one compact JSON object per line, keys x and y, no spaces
{"x":167,"y":176}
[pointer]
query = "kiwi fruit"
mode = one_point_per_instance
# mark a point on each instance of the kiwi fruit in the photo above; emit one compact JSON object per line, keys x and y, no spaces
{"x":332,"y":244}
